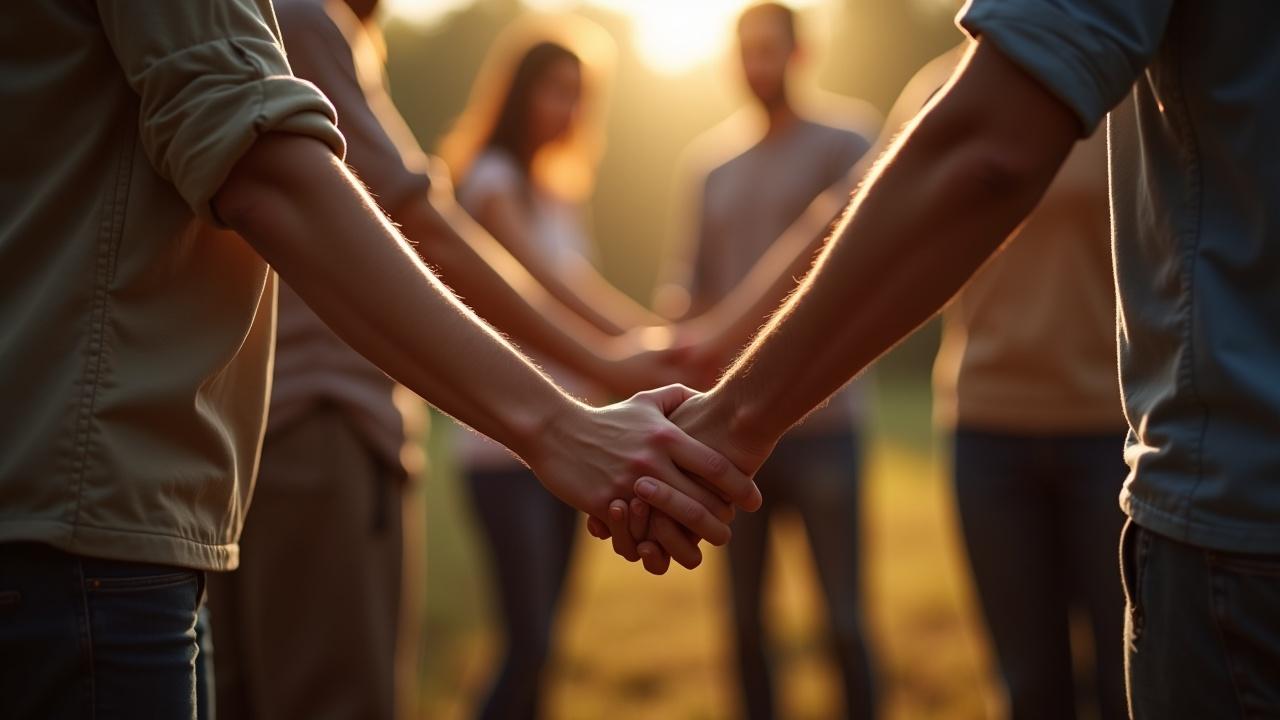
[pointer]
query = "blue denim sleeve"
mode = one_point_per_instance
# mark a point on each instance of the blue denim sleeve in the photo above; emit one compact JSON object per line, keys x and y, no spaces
{"x":1087,"y":52}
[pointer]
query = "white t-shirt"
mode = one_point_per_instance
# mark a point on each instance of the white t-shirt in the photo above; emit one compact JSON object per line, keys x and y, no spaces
{"x":558,"y":229}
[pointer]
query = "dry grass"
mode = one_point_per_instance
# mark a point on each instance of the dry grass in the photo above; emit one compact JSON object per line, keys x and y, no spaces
{"x":633,"y":646}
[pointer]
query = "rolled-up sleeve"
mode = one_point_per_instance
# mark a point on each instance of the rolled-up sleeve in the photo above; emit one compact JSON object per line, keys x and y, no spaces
{"x":380,"y":148}
{"x":211,"y":78}
{"x":1087,"y":52}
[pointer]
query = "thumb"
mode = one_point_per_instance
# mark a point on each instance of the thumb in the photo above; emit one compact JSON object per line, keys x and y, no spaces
{"x":668,"y":399}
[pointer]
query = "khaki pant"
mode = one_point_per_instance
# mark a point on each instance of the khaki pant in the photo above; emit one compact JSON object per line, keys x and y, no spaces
{"x":308,"y":626}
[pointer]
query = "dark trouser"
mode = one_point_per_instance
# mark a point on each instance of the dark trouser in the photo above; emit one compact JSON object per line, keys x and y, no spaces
{"x":307,"y":626}
{"x":101,"y":639}
{"x":1202,"y":632}
{"x":816,"y":475}
{"x":1041,"y":521}
{"x":530,"y":537}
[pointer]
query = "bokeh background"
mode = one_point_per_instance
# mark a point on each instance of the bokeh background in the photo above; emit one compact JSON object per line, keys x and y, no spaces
{"x":629,"y":645}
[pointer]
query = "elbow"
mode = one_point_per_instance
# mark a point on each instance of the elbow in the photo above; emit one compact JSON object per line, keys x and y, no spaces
{"x":260,"y":186}
{"x":985,"y":172}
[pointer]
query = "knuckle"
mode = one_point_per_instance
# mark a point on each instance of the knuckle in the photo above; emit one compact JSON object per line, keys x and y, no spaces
{"x":662,"y":436}
{"x":638,"y":465}
{"x":691,"y":513}
{"x":717,"y":465}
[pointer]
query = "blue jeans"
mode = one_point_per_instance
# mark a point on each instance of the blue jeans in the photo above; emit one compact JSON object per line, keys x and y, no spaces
{"x":1041,"y":521}
{"x":815,"y":474}
{"x":87,"y":638}
{"x":1202,"y":632}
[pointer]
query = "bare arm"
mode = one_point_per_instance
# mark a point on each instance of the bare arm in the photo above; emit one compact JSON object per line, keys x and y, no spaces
{"x":299,"y":207}
{"x":727,"y":327}
{"x":579,"y":286}
{"x":502,"y":291}
{"x":944,"y":198}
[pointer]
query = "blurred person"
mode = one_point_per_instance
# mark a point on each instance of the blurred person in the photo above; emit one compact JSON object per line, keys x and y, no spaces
{"x":524,"y":151}
{"x":1025,"y":382}
{"x":745,"y":203}
{"x":1188,"y":90}
{"x":139,"y":309}
{"x":340,"y":447}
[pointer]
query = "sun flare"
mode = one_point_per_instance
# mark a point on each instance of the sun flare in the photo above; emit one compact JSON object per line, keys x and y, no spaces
{"x":671,"y":36}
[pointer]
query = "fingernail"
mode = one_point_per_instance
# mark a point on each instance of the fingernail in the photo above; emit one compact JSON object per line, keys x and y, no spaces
{"x":615,"y":512}
{"x":645,"y":488}
{"x":639,"y":507}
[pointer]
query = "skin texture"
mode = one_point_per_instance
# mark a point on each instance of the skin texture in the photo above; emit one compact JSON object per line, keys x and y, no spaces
{"x":289,"y":194}
{"x":945,"y":196}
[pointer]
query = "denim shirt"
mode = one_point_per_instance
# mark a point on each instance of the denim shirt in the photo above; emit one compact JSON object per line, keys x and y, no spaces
{"x":1193,"y":90}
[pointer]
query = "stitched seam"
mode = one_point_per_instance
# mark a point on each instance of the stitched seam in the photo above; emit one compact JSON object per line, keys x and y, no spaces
{"x":110,"y":234}
{"x":86,"y":635}
{"x":1221,"y":623}
{"x":1187,"y":373}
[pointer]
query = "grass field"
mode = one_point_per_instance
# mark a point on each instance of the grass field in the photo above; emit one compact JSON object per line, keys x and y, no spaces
{"x":632,"y":646}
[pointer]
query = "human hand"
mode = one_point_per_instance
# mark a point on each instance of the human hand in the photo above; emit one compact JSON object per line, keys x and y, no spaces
{"x":589,"y":457}
{"x":657,"y":536}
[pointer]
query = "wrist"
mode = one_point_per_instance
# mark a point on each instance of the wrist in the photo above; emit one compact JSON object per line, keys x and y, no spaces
{"x":531,"y":429}
{"x":745,"y":423}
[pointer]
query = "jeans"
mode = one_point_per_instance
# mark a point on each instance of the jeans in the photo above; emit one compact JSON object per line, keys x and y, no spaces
{"x":816,"y":475}
{"x":87,"y":638}
{"x":1041,"y":521}
{"x":530,"y":535}
{"x":1202,"y":630}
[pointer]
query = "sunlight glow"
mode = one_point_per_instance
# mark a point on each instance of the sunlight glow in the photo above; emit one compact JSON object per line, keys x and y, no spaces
{"x":672,"y":36}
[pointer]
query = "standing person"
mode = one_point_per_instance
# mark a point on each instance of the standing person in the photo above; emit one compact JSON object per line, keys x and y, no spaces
{"x":139,"y":325}
{"x":1195,"y":187}
{"x":524,"y":151}
{"x":1025,"y":382}
{"x":746,"y":203}
{"x":336,"y":444}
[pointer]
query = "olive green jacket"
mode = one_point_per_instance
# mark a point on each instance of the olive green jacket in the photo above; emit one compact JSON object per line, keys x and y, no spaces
{"x":135,"y":335}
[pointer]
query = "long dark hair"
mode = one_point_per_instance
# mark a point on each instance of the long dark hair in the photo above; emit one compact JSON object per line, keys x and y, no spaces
{"x":497,"y":113}
{"x":511,"y":129}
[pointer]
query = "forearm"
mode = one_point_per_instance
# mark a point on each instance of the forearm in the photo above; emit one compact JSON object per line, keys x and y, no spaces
{"x":582,"y":286}
{"x":941,"y":202}
{"x":494,"y":284}
{"x":300,"y":209}
{"x":730,"y":323}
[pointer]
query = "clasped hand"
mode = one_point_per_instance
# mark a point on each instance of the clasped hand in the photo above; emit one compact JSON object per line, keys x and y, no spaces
{"x":592,"y":458}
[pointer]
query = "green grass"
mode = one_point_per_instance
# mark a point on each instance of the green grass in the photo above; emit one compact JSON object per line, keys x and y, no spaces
{"x":633,"y":646}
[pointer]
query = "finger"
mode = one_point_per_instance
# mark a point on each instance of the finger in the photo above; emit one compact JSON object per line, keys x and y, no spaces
{"x":705,"y":496}
{"x":623,"y":543}
{"x":683,"y":509}
{"x":598,"y":529}
{"x":669,"y":398}
{"x":639,"y":520}
{"x":656,"y":560}
{"x":676,"y":541}
{"x":715,"y":470}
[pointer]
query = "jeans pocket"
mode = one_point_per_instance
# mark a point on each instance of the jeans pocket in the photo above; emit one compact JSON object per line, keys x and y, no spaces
{"x":154,"y":579}
{"x":1246,"y":593}
{"x":1134,"y":545}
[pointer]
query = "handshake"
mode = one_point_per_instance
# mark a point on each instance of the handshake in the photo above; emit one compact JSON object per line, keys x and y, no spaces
{"x":659,"y":472}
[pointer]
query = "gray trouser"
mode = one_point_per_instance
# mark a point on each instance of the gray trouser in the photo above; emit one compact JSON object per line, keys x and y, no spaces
{"x":307,"y":626}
